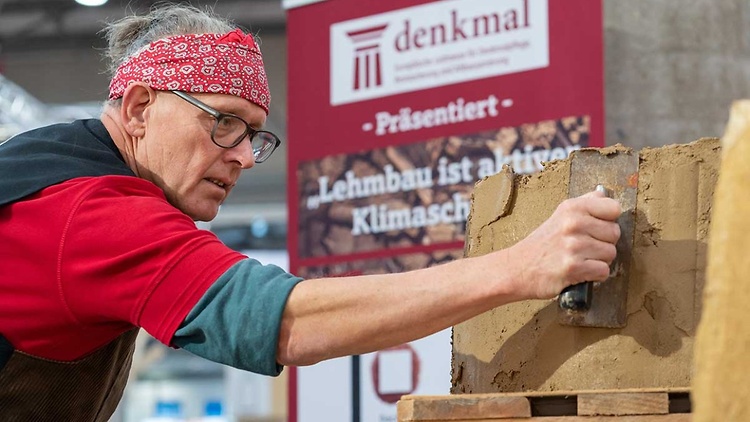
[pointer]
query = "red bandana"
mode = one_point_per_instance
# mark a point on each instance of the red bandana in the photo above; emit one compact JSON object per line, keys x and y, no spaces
{"x":217,"y":63}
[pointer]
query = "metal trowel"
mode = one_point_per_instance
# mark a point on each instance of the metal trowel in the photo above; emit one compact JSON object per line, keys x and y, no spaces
{"x":613,"y":171}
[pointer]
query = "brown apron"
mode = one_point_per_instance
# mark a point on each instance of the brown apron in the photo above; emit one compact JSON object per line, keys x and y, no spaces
{"x":34,"y":389}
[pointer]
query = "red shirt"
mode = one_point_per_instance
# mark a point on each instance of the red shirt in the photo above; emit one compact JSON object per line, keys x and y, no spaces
{"x":87,"y":259}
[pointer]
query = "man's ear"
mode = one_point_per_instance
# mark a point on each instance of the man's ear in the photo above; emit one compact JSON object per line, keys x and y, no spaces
{"x":135,"y":101}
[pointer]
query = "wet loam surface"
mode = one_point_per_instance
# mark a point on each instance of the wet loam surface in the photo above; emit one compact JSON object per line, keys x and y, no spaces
{"x":521,"y":347}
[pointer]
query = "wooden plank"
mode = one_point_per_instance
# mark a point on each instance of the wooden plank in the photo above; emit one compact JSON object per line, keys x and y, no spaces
{"x":636,"y":405}
{"x":566,"y":393}
{"x":563,"y":393}
{"x":673,"y":417}
{"x":466,"y":407}
{"x":614,"y":404}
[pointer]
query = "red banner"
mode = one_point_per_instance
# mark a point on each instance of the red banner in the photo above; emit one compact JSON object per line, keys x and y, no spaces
{"x":397,"y":108}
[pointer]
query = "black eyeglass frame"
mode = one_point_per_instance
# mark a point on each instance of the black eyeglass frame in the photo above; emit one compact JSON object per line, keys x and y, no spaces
{"x":249,"y":130}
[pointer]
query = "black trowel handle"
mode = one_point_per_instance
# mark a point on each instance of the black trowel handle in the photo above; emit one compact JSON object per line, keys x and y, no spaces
{"x":578,"y":296}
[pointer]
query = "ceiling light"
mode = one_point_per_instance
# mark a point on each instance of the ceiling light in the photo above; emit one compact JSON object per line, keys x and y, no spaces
{"x":91,"y":2}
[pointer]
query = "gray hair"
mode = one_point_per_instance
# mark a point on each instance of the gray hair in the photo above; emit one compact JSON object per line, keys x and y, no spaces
{"x":129,"y":35}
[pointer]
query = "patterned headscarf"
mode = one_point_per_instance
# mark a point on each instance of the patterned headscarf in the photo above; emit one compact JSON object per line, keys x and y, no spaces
{"x":213,"y":63}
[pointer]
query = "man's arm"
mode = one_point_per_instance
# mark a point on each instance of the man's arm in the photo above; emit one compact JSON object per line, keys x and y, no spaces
{"x":333,"y":317}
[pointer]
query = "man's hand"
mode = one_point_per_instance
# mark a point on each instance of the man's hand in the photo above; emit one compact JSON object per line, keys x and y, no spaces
{"x":576,"y":244}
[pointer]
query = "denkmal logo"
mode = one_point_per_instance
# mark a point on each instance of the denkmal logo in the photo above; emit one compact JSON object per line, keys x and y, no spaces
{"x":436,"y":44}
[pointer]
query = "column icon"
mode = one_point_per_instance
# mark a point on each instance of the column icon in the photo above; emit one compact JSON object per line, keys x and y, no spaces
{"x":367,"y":64}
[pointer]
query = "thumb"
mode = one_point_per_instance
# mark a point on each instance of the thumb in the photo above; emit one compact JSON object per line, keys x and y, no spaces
{"x":600,"y":206}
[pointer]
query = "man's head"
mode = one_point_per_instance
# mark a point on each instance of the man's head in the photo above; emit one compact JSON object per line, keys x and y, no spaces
{"x":188,"y":92}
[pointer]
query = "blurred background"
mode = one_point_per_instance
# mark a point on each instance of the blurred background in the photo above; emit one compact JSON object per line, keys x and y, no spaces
{"x":672,"y":69}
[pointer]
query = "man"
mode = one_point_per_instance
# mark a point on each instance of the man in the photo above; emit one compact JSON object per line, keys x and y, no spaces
{"x":98,"y":237}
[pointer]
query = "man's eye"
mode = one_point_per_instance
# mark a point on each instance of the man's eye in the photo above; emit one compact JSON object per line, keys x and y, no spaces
{"x":228,"y":124}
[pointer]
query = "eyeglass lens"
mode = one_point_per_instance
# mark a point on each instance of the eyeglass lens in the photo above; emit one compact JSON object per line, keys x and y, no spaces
{"x":263,"y":145}
{"x":230,"y":130}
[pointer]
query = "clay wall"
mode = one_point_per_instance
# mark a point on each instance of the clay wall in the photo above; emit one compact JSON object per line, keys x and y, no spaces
{"x":521,"y":347}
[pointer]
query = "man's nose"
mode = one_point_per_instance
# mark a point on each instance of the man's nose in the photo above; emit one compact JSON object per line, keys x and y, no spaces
{"x":243,"y":154}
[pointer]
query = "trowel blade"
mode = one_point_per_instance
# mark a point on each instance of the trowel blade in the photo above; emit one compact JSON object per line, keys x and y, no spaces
{"x":615,"y":168}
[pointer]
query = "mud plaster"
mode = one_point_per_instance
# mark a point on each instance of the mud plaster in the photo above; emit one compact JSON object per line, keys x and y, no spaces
{"x":521,"y":347}
{"x":721,"y":390}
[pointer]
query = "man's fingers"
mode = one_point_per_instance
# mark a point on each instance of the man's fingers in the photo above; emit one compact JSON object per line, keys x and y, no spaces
{"x":585,"y":249}
{"x":602,"y":251}
{"x":594,"y":270}
{"x":599,"y":206}
{"x":603,"y":230}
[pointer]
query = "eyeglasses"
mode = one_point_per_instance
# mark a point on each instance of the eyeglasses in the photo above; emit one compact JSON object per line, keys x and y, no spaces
{"x":229,"y":130}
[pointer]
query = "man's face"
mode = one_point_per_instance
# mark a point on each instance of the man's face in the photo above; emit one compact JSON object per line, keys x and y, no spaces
{"x":177,"y":154}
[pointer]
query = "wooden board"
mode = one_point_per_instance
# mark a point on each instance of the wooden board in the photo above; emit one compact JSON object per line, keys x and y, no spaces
{"x":637,"y":405}
{"x":673,"y":417}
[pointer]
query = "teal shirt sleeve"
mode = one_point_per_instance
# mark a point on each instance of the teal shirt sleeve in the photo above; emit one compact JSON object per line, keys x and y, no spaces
{"x":237,"y":321}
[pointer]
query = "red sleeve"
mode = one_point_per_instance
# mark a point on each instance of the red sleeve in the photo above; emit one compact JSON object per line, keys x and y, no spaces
{"x":128,"y":255}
